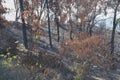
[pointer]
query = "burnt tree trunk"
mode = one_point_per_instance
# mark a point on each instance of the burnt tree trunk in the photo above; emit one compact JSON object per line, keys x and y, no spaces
{"x":71,"y":30}
{"x":91,"y":27}
{"x":114,"y":28}
{"x":92,"y":24}
{"x":49,"y":30}
{"x":23,"y":25}
{"x":58,"y":26}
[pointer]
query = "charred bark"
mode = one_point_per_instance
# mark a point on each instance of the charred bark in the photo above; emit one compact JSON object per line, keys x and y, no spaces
{"x":114,"y":29}
{"x":49,"y":30}
{"x":24,"y":28}
{"x":58,"y":26}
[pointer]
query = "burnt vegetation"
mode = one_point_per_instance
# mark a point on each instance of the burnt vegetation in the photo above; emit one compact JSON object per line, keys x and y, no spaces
{"x":59,"y":40}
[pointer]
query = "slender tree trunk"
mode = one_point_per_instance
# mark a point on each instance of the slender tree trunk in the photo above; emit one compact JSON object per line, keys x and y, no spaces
{"x":114,"y":28}
{"x":58,"y":31}
{"x":90,"y":31}
{"x":23,"y":25}
{"x":92,"y":25}
{"x":88,"y":28}
{"x":71,"y":31}
{"x":49,"y":30}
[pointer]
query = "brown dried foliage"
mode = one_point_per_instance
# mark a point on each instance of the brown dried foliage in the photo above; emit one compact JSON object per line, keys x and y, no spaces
{"x":86,"y":47}
{"x":92,"y":49}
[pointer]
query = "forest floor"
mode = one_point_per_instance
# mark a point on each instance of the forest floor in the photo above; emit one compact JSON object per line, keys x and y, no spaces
{"x":52,"y":66}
